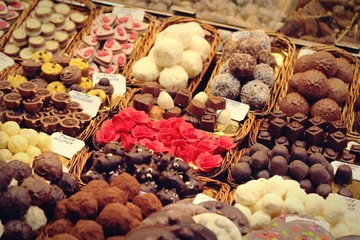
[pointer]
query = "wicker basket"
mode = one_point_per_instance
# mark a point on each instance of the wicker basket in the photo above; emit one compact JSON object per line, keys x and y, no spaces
{"x":285,"y":48}
{"x":83,"y":6}
{"x":148,"y":19}
{"x":347,"y":115}
{"x":192,"y":83}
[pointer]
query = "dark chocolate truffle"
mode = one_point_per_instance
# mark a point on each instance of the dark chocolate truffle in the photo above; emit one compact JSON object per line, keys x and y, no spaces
{"x":280,"y":150}
{"x":68,"y":183}
{"x":298,"y":170}
{"x":345,"y":70}
{"x":313,"y":85}
{"x":148,"y":203}
{"x":14,"y":203}
{"x":318,"y":174}
{"x":324,"y":62}
{"x":127,"y":183}
{"x":38,"y":188}
{"x":259,"y":161}
{"x":343,"y":175}
{"x":17,"y":229}
{"x":95,"y":185}
{"x":59,"y":226}
{"x":307,"y":186}
{"x":135,"y":211}
{"x":298,"y":153}
{"x":323,"y":190}
{"x":87,"y":229}
{"x":327,"y":108}
{"x":82,"y":205}
{"x":338,"y":91}
{"x":48,"y":166}
{"x":241,"y":172}
{"x":5,"y":179}
{"x":317,"y":158}
{"x":18,"y":170}
{"x":257,"y":147}
{"x":293,"y":103}
{"x":278,"y":166}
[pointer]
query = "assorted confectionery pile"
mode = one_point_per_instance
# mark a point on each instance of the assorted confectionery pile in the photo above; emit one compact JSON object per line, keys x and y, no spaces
{"x":258,"y":140}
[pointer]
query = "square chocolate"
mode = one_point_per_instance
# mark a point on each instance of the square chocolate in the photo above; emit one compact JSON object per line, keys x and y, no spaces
{"x":217,"y":103}
{"x":335,"y":126}
{"x":210,"y":111}
{"x":355,"y":150}
{"x":151,"y":87}
{"x":314,"y":149}
{"x":182,"y":98}
{"x":337,"y":141}
{"x":207,"y":123}
{"x":294,"y":131}
{"x":277,"y":114}
{"x":300,"y":118}
{"x":264,"y":125}
{"x":191,"y":119}
{"x":283,"y":141}
{"x":299,"y":143}
{"x":265,"y":139}
{"x":318,"y":121}
{"x":314,"y":136}
{"x":277,"y":127}
{"x":330,"y":154}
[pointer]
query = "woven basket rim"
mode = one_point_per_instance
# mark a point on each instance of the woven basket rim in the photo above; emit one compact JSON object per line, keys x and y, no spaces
{"x":150,"y":41}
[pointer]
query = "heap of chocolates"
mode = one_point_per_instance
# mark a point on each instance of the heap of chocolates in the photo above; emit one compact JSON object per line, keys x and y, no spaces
{"x":200,"y":111}
{"x":168,"y":177}
{"x":37,"y":108}
{"x":27,"y":199}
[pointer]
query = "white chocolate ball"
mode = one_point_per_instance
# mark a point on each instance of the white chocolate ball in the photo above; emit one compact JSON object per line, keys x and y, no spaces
{"x":191,"y":62}
{"x":45,"y":142}
{"x":334,"y":211}
{"x":194,"y":29}
{"x":297,"y":193}
{"x":5,"y":155}
{"x":246,"y":195}
{"x":145,"y":69}
{"x":31,"y":135}
{"x":244,"y":209}
{"x":167,"y":52}
{"x":33,"y":152}
{"x":272,"y":204}
{"x":11,"y":128}
{"x":17,"y":143}
{"x":293,"y":206}
{"x":259,"y":220}
{"x":339,"y":230}
{"x":174,"y":76}
{"x":21,"y":156}
{"x":275,"y":184}
{"x":314,"y":204}
{"x":4,"y":138}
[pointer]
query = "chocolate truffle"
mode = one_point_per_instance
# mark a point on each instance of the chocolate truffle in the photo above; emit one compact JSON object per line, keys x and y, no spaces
{"x":87,"y":229}
{"x":5,"y":179}
{"x":266,"y":57}
{"x":148,"y":203}
{"x":14,"y":203}
{"x":303,"y":64}
{"x":293,"y":103}
{"x":111,"y":195}
{"x":61,"y":210}
{"x":293,"y":82}
{"x":96,"y":185}
{"x":265,"y":74}
{"x":280,"y":150}
{"x":17,"y":229}
{"x":343,"y":175}
{"x":225,"y":85}
{"x":263,"y":174}
{"x":327,"y":109}
{"x":256,"y":94}
{"x":59,"y":226}
{"x":307,"y":186}
{"x":257,"y":147}
{"x":134,"y":210}
{"x":324,"y":62}
{"x":345,"y":192}
{"x":82,"y":205}
{"x":318,"y":174}
{"x":48,"y":166}
{"x":259,"y":161}
{"x":241,"y":172}
{"x":323,"y":190}
{"x":298,"y":170}
{"x":278,"y":166}
{"x":127,"y":183}
{"x":248,"y":46}
{"x":68,"y":183}
{"x":298,"y":153}
{"x":313,"y":85}
{"x":18,"y":170}
{"x":116,"y":219}
{"x":38,"y":188}
{"x":317,"y":158}
{"x":345,"y":70}
{"x":338,"y":91}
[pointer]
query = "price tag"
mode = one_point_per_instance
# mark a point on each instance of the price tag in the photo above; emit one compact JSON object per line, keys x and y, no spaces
{"x":349,"y":144}
{"x":238,"y":110}
{"x":353,"y":205}
{"x":65,"y":145}
{"x":200,"y":198}
{"x":5,"y":61}
{"x":135,"y":13}
{"x":117,"y":80}
{"x":305,"y":51}
{"x":323,"y":224}
{"x":355,"y":168}
{"x":90,"y":104}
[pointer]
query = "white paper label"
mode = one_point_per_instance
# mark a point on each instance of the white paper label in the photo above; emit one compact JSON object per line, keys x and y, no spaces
{"x":305,"y":51}
{"x":323,"y":224}
{"x":353,"y":205}
{"x":5,"y":61}
{"x":90,"y":104}
{"x":348,"y":146}
{"x":135,"y":13}
{"x":65,"y":145}
{"x":200,"y":198}
{"x":355,"y":168}
{"x":238,"y":110}
{"x":117,"y":80}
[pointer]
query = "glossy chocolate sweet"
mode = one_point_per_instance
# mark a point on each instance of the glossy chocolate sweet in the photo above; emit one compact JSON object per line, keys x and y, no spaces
{"x":216,"y":103}
{"x":5,"y":86}
{"x":278,"y":166}
{"x":15,"y":115}
{"x":44,"y":94}
{"x":298,"y":170}
{"x":284,"y":141}
{"x":277,"y":127}
{"x":294,"y":131}
{"x":337,"y":141}
{"x":14,"y":203}
{"x":172,"y":112}
{"x":27,"y":89}
{"x":192,"y":119}
{"x":143,"y":102}
{"x":314,"y":136}
{"x":318,"y":121}
{"x":49,"y":124}
{"x":32,"y":120}
{"x":330,"y":154}
{"x":195,"y":108}
{"x":12,"y":101}
{"x":307,"y":186}
{"x":208,"y":123}
{"x":343,"y":175}
{"x":318,"y":174}
{"x":277,"y":114}
{"x":151,"y":87}
{"x":69,"y":126}
{"x":348,"y":157}
{"x":265,"y":138}
{"x":60,"y":100}
{"x":182,"y":98}
{"x":298,"y":153}
{"x":355,"y":150}
{"x":335,"y":126}
{"x":241,"y":172}
{"x":300,"y":118}
{"x":33,"y":104}
{"x":323,"y":190}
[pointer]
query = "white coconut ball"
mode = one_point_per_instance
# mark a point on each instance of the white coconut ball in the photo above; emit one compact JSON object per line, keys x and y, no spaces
{"x":191,"y":62}
{"x":146,"y":70}
{"x":314,"y":204}
{"x":167,"y":52}
{"x":194,"y":29}
{"x":275,"y":184}
{"x":179,"y":33}
{"x":297,"y":193}
{"x":246,"y":195}
{"x":244,"y":209}
{"x":4,"y":138}
{"x":31,"y":135}
{"x":272,"y":204}
{"x":45,"y":142}
{"x":5,"y":155}
{"x":11,"y":128}
{"x":339,"y":230}
{"x":293,"y":206}
{"x":174,"y":76}
{"x":334,"y":208}
{"x":259,"y":220}
{"x":201,"y":46}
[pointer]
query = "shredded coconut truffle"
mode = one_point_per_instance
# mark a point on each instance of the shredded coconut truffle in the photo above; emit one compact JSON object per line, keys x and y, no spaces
{"x":194,"y":29}
{"x":225,"y":85}
{"x":255,"y":94}
{"x":174,"y":76}
{"x":145,"y":70}
{"x":201,"y":46}
{"x":191,"y":62}
{"x":179,"y":33}
{"x":265,"y":74}
{"x":167,"y":52}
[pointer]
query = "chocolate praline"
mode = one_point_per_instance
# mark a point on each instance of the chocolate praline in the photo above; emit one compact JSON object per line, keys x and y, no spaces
{"x":318,"y":174}
{"x":298,"y":153}
{"x":14,"y":203}
{"x":280,"y":150}
{"x":38,"y":189}
{"x":68,"y":183}
{"x":298,"y":170}
{"x":259,"y":161}
{"x":278,"y":166}
{"x":48,"y":166}
{"x":307,"y":186}
{"x":241,"y":172}
{"x":323,"y":190}
{"x":343,"y":175}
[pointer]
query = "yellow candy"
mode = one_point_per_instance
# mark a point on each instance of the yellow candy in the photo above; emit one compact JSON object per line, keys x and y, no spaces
{"x":51,"y":68}
{"x":56,"y":87}
{"x":16,"y":80}
{"x":98,"y":93}
{"x":42,"y":56}
{"x":82,"y":64}
{"x":86,"y":84}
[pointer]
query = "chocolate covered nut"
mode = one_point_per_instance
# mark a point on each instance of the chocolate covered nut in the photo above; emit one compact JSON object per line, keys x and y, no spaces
{"x":241,"y":172}
{"x":343,"y":175}
{"x":278,"y":166}
{"x":33,"y":105}
{"x":345,"y":192}
{"x":149,"y":187}
{"x":300,"y":118}
{"x":60,"y":100}
{"x":12,"y":101}
{"x":216,"y":103}
{"x":277,"y":127}
{"x":138,"y":155}
{"x":337,"y":141}
{"x":195,"y":108}
{"x":259,"y":161}
{"x":298,"y":170}
{"x":144,"y":172}
{"x":335,"y":126}
{"x":318,"y":174}
{"x":265,"y":138}
{"x":182,"y":98}
{"x":355,"y":150}
{"x":115,"y":148}
{"x":69,"y":126}
{"x":277,"y":114}
{"x":314,"y":136}
{"x":298,"y":153}
{"x":143,"y":102}
{"x":49,"y":124}
{"x":207,"y":123}
{"x":151,"y":87}
{"x":294,"y":131}
{"x":318,"y":121}
{"x":27,"y":89}
{"x":323,"y":190}
{"x":170,"y":178}
{"x":255,"y":148}
{"x":330,"y":154}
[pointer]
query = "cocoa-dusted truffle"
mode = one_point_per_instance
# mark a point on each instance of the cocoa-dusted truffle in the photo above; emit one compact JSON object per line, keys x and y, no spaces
{"x":135,"y":211}
{"x":18,"y":170}
{"x":38,"y":188}
{"x":63,"y":236}
{"x":242,"y":65}
{"x":87,"y":229}
{"x":68,"y":183}
{"x":48,"y":165}
{"x":225,"y":85}
{"x":298,"y":170}
{"x":95,"y":185}
{"x":59,"y":226}
{"x":293,"y":82}
{"x":318,"y":174}
{"x":313,"y":85}
{"x":127,"y":183}
{"x":324,"y":62}
{"x":327,"y":108}
{"x":345,"y":70}
{"x":278,"y":166}
{"x":343,"y":175}
{"x":323,"y":190}
{"x":256,"y":94}
{"x":110,"y":195}
{"x":60,"y":209}
{"x":116,"y":219}
{"x":266,"y":57}
{"x":14,"y":203}
{"x":293,"y":103}
{"x":17,"y":229}
{"x":338,"y":90}
{"x":303,"y":64}
{"x":82,"y":205}
{"x":259,"y":161}
{"x":241,"y":171}
{"x":148,"y":203}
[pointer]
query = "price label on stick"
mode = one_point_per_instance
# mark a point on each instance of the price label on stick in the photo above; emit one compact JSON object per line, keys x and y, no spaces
{"x":65,"y":145}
